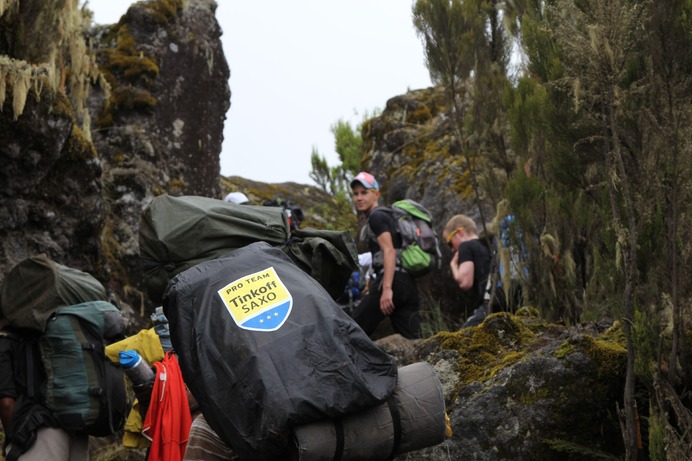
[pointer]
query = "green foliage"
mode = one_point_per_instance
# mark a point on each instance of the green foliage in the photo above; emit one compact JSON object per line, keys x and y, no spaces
{"x":466,"y":50}
{"x":433,"y":320}
{"x":544,"y":57}
{"x":657,"y":434}
{"x":601,"y":123}
{"x":348,"y":143}
{"x":451,"y":35}
{"x":646,"y":336}
{"x":321,"y":173}
{"x":337,"y":211}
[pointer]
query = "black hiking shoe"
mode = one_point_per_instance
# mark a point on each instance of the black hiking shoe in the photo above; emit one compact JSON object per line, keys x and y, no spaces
{"x":476,"y":319}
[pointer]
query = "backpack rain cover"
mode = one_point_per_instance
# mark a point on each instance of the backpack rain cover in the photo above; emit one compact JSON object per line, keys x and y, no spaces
{"x":263,"y":347}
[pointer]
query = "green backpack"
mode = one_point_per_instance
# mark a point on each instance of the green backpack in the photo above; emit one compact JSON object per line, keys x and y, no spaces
{"x":420,"y":248}
{"x":84,"y":389}
{"x":68,"y":311}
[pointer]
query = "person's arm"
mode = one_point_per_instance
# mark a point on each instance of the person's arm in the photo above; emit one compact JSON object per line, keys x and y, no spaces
{"x":463,"y":273}
{"x":384,"y":240}
{"x":6,"y":411}
{"x":7,"y":386}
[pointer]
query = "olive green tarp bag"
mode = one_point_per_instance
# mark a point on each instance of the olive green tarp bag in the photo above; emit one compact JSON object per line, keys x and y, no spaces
{"x":176,"y":233}
{"x":37,"y":287}
{"x":330,"y":257}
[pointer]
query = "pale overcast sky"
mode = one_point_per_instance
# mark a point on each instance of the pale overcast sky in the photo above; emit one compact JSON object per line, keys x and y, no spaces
{"x":299,"y":66}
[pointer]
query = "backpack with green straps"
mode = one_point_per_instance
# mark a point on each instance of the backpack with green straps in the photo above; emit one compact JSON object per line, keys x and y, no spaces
{"x":70,"y":321}
{"x":420,"y":248}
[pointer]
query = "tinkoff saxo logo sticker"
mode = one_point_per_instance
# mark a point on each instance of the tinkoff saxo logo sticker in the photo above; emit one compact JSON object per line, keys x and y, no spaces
{"x":259,"y":301}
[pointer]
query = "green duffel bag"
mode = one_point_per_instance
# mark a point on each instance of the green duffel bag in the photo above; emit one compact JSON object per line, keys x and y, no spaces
{"x":36,"y":287}
{"x":176,"y":233}
{"x":330,"y":257}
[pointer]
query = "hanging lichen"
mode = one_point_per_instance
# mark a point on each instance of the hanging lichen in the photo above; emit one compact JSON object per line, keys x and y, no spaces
{"x":17,"y":78}
{"x":56,"y":57}
{"x":5,"y":5}
{"x":20,"y":81}
{"x":3,"y":86}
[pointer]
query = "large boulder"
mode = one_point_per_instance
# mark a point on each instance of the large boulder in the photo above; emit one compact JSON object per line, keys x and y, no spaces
{"x":517,"y":388}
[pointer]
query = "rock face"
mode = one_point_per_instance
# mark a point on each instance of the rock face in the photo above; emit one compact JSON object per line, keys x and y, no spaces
{"x":161,"y":128}
{"x":157,"y":111}
{"x":50,"y":187}
{"x":519,"y":389}
{"x":169,"y":84}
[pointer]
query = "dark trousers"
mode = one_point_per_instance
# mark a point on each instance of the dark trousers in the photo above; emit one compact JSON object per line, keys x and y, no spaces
{"x":406,"y":316}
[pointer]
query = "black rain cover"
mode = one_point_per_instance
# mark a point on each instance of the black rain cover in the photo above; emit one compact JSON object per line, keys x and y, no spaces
{"x":263,"y":347}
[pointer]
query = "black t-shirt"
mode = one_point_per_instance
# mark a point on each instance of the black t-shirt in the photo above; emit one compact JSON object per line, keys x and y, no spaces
{"x":475,"y":251}
{"x":381,"y":221}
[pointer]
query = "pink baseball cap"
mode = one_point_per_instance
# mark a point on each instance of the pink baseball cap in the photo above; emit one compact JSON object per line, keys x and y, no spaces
{"x":366,"y":180}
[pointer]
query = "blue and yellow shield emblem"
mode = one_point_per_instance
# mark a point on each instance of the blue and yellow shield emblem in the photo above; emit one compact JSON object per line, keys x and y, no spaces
{"x":259,"y":301}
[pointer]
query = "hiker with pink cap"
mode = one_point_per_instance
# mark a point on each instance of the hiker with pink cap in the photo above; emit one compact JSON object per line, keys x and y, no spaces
{"x":395,"y":293}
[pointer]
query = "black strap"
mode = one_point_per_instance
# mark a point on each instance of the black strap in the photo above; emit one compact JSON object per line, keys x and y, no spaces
{"x":339,"y":449}
{"x":15,"y":452}
{"x":396,"y":425}
{"x":30,"y":370}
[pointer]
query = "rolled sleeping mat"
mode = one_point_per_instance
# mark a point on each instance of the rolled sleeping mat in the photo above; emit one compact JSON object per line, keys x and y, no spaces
{"x":412,"y":418}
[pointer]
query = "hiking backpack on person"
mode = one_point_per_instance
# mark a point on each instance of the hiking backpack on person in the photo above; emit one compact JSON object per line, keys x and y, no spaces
{"x":73,"y":322}
{"x":263,"y":347}
{"x":420,"y":248}
{"x":84,"y":389}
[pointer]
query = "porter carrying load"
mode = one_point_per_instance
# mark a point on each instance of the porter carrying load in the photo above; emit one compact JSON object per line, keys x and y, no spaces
{"x":84,"y":390}
{"x":263,"y":348}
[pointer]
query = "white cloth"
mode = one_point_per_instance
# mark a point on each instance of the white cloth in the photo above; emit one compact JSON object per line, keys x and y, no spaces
{"x":236,"y":197}
{"x":56,"y":444}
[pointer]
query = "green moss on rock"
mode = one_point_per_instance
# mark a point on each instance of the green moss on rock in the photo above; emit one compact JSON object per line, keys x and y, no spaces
{"x":129,"y":72}
{"x":78,"y":147}
{"x":484,"y":350}
{"x":164,"y":11}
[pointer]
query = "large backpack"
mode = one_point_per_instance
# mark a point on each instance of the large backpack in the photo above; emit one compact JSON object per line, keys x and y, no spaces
{"x":420,"y":248}
{"x":263,"y":348}
{"x":66,"y":307}
{"x":84,"y":389}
